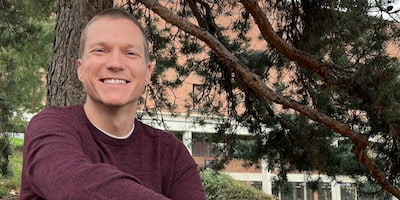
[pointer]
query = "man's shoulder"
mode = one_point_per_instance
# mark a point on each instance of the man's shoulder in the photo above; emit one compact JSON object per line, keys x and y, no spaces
{"x":68,"y":114}
{"x":55,"y":121}
{"x":64,"y":110}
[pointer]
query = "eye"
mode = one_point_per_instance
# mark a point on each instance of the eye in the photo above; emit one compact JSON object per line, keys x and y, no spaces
{"x":131,"y":53}
{"x":99,"y":50}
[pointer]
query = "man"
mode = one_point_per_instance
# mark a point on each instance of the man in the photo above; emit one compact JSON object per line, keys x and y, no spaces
{"x":99,"y":150}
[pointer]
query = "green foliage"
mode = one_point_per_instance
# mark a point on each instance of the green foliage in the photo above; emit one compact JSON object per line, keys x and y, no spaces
{"x":9,"y":185}
{"x":342,"y":32}
{"x":17,"y":143}
{"x":26,"y":29}
{"x":373,"y":191}
{"x":221,"y":187}
{"x":5,"y":153}
{"x":10,"y":166}
{"x":5,"y":149}
{"x":25,"y":48}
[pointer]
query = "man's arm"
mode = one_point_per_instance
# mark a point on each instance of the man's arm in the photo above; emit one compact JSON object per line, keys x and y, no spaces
{"x":55,"y":167}
{"x":187,"y":183}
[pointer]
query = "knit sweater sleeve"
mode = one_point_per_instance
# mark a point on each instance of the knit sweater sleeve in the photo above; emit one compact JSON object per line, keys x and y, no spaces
{"x":55,"y":166}
{"x":187,"y":183}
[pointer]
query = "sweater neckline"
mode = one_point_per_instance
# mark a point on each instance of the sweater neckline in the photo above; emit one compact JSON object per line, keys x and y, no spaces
{"x":117,"y":137}
{"x":98,"y":134}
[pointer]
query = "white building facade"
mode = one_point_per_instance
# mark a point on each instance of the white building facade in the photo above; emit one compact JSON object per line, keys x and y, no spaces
{"x":341,"y":188}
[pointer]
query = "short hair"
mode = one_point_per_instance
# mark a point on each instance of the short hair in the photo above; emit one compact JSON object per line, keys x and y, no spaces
{"x":114,"y":13}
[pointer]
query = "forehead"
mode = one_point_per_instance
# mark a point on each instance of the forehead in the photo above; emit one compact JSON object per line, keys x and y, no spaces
{"x":114,"y":30}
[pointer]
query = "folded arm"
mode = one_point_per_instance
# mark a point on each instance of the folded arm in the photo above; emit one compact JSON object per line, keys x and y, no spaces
{"x":55,"y":167}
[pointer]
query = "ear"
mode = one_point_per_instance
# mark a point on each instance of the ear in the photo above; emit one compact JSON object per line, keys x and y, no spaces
{"x":79,"y":69}
{"x":149,"y":72}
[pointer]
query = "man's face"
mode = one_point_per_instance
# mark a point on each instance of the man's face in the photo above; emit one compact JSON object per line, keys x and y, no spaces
{"x":113,"y":68}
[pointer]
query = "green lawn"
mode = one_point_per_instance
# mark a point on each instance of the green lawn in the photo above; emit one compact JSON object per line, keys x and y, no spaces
{"x":9,"y":186}
{"x":17,"y":142}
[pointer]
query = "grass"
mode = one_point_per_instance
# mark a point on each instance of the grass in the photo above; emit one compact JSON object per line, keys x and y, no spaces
{"x":10,"y":185}
{"x":16,"y":143}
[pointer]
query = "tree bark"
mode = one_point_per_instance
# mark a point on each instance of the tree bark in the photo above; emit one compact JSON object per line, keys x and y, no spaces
{"x":251,"y":80}
{"x":63,"y":86}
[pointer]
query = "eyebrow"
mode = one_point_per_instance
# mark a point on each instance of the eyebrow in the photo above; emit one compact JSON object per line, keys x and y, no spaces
{"x":125,"y":46}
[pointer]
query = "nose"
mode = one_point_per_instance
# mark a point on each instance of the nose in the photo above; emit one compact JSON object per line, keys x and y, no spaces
{"x":114,"y":61}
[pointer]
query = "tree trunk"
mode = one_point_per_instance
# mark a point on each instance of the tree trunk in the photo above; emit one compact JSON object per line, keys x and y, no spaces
{"x":63,"y":86}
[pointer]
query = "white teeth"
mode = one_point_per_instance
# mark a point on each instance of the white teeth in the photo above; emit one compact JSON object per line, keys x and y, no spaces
{"x":114,"y":81}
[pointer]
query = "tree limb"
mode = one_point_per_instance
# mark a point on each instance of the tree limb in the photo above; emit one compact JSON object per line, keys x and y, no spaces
{"x":197,"y":14}
{"x":253,"y":81}
{"x":322,"y":68}
{"x":325,"y":69}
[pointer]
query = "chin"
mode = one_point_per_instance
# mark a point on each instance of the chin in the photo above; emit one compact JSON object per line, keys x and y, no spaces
{"x":114,"y":104}
{"x":118,"y":104}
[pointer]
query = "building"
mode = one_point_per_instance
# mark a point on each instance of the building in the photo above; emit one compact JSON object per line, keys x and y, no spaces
{"x":191,"y":134}
{"x":194,"y":136}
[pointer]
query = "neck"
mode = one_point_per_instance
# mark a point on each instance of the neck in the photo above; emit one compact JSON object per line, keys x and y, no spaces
{"x":115,"y":120}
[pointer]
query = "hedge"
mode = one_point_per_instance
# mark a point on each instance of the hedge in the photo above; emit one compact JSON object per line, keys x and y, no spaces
{"x":223,"y":187}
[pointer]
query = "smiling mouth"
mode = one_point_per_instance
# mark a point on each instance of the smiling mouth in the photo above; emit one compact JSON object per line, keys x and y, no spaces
{"x":114,"y":81}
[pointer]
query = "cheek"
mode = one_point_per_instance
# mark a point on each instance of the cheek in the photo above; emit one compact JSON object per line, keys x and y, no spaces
{"x":88,"y":70}
{"x":82,"y":74}
{"x":86,"y":76}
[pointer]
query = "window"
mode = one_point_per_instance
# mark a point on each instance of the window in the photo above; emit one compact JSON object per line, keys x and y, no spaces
{"x":292,"y":191}
{"x":200,"y":148}
{"x":347,"y":192}
{"x":256,"y":184}
{"x":324,"y":192}
{"x":178,"y":135}
{"x":200,"y":144}
{"x":197,"y":94}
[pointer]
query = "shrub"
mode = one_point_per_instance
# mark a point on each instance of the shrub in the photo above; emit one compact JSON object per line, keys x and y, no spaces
{"x":10,"y":185}
{"x":221,"y":187}
{"x":5,"y":153}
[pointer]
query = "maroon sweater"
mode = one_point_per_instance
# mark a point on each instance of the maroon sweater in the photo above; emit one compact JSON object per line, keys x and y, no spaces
{"x":66,"y":157}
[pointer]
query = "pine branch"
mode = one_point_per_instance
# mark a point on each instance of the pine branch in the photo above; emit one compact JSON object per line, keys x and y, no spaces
{"x":253,"y":81}
{"x":329,"y":71}
{"x":324,"y":69}
{"x":197,"y":14}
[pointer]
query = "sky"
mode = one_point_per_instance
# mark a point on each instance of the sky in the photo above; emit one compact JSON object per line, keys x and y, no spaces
{"x":396,"y":7}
